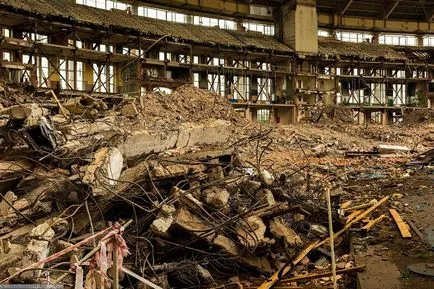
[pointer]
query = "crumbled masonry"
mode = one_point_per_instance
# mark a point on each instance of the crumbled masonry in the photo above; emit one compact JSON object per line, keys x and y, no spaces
{"x":172,"y":196}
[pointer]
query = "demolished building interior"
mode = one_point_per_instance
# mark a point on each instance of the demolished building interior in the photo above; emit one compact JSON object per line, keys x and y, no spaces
{"x":217,"y":144}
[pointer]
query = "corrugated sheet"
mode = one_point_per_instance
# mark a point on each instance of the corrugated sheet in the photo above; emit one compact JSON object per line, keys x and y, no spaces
{"x":119,"y":19}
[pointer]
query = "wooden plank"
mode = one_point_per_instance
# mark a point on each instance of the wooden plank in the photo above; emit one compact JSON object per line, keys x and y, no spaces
{"x":416,"y":230}
{"x":374,"y":222}
{"x":346,"y":205}
{"x":285,"y":270}
{"x":352,"y":216}
{"x":357,"y":219}
{"x":402,"y":226}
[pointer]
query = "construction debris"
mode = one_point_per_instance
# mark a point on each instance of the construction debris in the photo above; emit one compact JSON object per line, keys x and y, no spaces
{"x":170,"y":195}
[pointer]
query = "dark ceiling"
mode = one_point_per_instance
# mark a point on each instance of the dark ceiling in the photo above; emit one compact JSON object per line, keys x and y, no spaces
{"x":416,"y":10}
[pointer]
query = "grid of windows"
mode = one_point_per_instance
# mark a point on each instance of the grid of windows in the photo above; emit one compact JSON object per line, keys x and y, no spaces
{"x":356,"y":37}
{"x":42,"y":69}
{"x":428,"y":41}
{"x":267,"y":29}
{"x":398,"y":39}
{"x":104,"y":4}
{"x":323,"y":33}
{"x":71,"y":74}
{"x":105,"y":82}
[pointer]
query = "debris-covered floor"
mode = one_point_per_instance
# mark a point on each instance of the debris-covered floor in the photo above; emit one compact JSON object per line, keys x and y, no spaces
{"x":180,"y":191}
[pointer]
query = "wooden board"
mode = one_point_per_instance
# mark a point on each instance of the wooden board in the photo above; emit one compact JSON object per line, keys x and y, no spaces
{"x":402,"y":226}
{"x":374,"y":222}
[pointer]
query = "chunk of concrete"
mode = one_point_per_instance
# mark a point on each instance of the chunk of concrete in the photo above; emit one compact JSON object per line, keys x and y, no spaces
{"x":9,"y":199}
{"x":42,"y":232}
{"x":281,"y":231}
{"x":164,"y":221}
{"x":204,"y":274}
{"x":105,"y":170}
{"x":36,"y":251}
{"x":251,"y":232}
{"x":30,"y":112}
{"x":265,"y":197}
{"x":216,"y":197}
{"x":267,"y":177}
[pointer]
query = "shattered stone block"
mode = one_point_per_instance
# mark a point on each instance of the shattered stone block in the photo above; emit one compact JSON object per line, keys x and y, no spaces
{"x":164,"y":221}
{"x":251,"y":232}
{"x":30,"y":112}
{"x":281,"y":231}
{"x":105,"y":170}
{"x":265,"y":197}
{"x":36,"y":251}
{"x":216,"y":197}
{"x":42,"y":232}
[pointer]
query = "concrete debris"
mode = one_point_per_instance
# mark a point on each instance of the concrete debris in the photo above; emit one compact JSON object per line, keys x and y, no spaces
{"x":216,"y":197}
{"x":281,"y":231}
{"x":103,"y":173}
{"x":202,"y":193}
{"x":251,"y":232}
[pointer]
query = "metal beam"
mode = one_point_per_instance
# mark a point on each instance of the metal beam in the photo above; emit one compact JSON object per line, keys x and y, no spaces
{"x":390,"y":9}
{"x":347,"y":6}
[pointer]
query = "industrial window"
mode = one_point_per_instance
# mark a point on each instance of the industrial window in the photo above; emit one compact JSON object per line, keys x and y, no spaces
{"x":396,"y":39}
{"x":263,"y":115}
{"x":216,"y":83}
{"x":6,"y":32}
{"x":104,"y":4}
{"x":42,"y":69}
{"x":78,"y":43}
{"x":103,"y":48}
{"x":196,"y":79}
{"x":218,"y":61}
{"x":264,"y":88}
{"x":163,"y":56}
{"x":195,"y":59}
{"x":71,"y":74}
{"x":428,"y":41}
{"x":357,"y":37}
{"x":241,"y":87}
{"x":267,"y":29}
{"x":6,"y":55}
{"x":323,"y":33}
{"x":106,"y":81}
{"x":36,"y":37}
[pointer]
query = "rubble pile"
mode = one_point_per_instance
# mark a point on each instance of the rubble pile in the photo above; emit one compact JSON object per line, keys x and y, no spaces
{"x":159,"y":192}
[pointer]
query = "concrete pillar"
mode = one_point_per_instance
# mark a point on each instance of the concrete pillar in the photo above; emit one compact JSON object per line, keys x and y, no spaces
{"x":300,"y":26}
{"x":248,"y":114}
{"x":384,"y":117}
{"x":361,"y":118}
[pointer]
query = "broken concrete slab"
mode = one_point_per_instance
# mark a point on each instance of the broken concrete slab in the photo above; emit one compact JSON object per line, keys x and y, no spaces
{"x":36,"y":251}
{"x":42,"y":232}
{"x":146,"y":142}
{"x":30,"y":112}
{"x":9,"y":199}
{"x":265,"y":197}
{"x":281,"y":231}
{"x":251,"y":232}
{"x":164,"y":221}
{"x":104,"y":171}
{"x":215,"y":197}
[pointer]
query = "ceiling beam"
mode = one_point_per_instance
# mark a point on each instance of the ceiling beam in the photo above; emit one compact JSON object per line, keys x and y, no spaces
{"x":347,"y":6}
{"x":390,"y":9}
